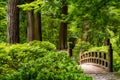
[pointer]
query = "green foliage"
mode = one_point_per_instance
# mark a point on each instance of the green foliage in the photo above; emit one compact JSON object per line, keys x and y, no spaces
{"x":51,"y":27}
{"x":13,"y":56}
{"x":54,"y":66}
{"x":4,"y":60}
{"x":3,"y":21}
{"x":116,"y":52}
{"x":44,"y":44}
{"x":81,"y":46}
{"x":23,"y":26}
{"x":102,"y":48}
{"x":50,"y":17}
{"x":99,"y":14}
{"x":35,"y":61}
{"x":116,"y":62}
{"x":99,"y":18}
{"x":35,"y":5}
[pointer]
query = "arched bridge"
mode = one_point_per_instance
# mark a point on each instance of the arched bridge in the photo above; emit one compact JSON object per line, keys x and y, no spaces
{"x":97,"y":61}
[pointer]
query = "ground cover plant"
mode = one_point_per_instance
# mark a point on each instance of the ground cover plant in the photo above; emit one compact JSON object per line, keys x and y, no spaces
{"x":37,"y":61}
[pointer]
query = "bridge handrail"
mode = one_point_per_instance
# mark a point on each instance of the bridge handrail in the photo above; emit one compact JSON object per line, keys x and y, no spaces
{"x":99,"y":58}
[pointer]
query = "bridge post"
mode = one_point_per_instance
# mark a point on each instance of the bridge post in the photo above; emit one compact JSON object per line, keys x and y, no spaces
{"x":70,"y":47}
{"x":110,"y":58}
{"x":80,"y":56}
{"x":70,"y":52}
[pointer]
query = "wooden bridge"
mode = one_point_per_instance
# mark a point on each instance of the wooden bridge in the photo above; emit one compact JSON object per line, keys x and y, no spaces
{"x":97,"y":61}
{"x":98,"y":64}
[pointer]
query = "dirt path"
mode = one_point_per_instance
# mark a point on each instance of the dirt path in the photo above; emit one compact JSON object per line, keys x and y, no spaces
{"x":98,"y":73}
{"x":107,"y":76}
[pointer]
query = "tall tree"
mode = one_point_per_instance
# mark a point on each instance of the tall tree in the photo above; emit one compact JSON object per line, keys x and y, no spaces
{"x":84,"y":31}
{"x":62,"y":44}
{"x":30,"y":27}
{"x":38,"y":31}
{"x":13,"y":21}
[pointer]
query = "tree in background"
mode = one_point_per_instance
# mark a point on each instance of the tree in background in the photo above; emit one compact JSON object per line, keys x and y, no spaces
{"x":101,"y":16}
{"x":38,"y":27}
{"x":62,"y":44}
{"x":13,"y":21}
{"x":30,"y":27}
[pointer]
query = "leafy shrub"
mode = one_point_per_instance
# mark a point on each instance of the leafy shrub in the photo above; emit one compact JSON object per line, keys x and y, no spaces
{"x":44,"y":44}
{"x":25,"y":54}
{"x":4,"y":60}
{"x":102,"y":48}
{"x":115,"y":41}
{"x":12,"y":57}
{"x":55,"y":66}
{"x":3,"y":47}
{"x":37,"y":61}
{"x":116,"y":62}
{"x":81,"y":46}
{"x":3,"y":22}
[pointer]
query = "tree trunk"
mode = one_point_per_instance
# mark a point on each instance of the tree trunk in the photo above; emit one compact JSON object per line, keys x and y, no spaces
{"x":13,"y":21}
{"x":62,"y":44}
{"x":107,"y":42}
{"x":30,"y":27}
{"x":38,"y":31}
{"x":84,"y":31}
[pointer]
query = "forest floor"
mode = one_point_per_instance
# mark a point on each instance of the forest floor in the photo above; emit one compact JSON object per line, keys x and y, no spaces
{"x":99,"y":73}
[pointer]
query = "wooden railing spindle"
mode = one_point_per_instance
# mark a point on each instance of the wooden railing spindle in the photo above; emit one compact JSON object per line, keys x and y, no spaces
{"x":99,"y":58}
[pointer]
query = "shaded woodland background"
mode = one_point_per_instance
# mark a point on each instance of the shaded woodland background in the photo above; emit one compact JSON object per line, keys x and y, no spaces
{"x":87,"y":23}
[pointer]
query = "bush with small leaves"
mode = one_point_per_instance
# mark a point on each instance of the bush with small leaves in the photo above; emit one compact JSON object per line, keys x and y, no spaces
{"x":37,"y":61}
{"x":55,"y":66}
{"x":81,"y":46}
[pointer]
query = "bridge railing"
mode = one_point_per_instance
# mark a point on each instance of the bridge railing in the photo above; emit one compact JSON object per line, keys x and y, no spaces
{"x":99,"y":58}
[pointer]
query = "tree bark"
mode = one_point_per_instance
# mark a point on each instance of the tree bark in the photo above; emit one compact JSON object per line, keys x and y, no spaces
{"x":13,"y":21}
{"x":62,"y":44}
{"x":30,"y":27}
{"x":84,"y":31}
{"x":38,"y":28}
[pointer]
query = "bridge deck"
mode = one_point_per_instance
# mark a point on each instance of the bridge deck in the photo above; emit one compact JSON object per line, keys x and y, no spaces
{"x":89,"y":68}
{"x":99,"y":73}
